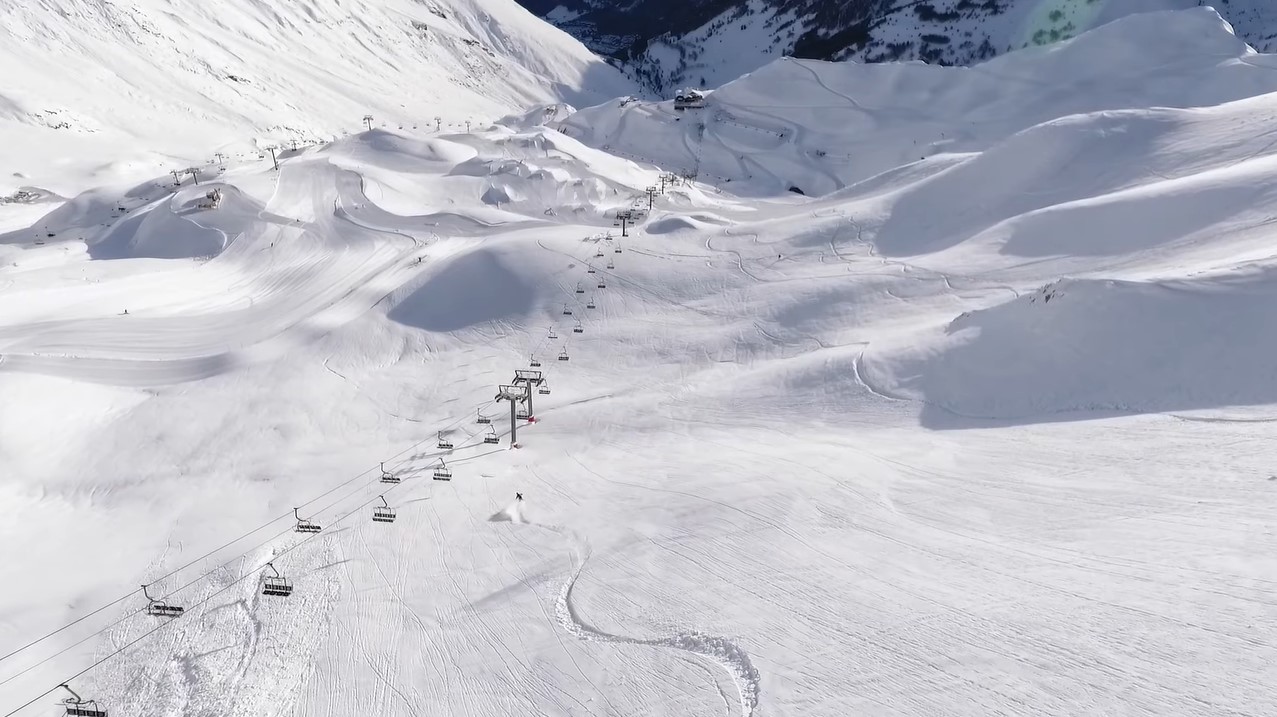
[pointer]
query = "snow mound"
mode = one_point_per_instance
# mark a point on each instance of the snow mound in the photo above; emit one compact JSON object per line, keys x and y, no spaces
{"x":1093,"y":345}
{"x":475,"y":288}
{"x":539,"y":116}
{"x":668,"y":225}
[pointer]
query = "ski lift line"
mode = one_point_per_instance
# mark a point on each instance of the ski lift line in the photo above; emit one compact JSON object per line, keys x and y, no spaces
{"x":259,"y":545}
{"x":357,"y":509}
{"x":212,"y":552}
{"x":286,"y":531}
{"x":135,"y":613}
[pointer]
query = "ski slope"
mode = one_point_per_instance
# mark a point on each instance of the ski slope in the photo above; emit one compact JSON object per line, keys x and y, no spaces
{"x":983,"y":433}
{"x":818,"y":126}
{"x":124,"y":92}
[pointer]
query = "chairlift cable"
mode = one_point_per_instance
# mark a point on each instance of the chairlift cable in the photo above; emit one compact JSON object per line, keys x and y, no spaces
{"x":205,"y":556}
{"x":166,"y":623}
{"x":214,"y":551}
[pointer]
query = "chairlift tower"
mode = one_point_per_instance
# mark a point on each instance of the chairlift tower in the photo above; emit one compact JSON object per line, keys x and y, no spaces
{"x":368,"y":121}
{"x":528,"y":379}
{"x":623,"y":220}
{"x":515,"y":395}
{"x":651,"y":196}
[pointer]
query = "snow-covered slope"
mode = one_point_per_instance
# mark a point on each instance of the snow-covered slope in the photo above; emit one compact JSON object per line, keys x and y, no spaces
{"x":173,"y":82}
{"x":818,"y":126}
{"x":668,"y":44}
{"x":983,"y":433}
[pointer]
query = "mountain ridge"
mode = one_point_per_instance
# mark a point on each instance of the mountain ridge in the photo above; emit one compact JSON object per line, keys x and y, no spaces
{"x":665,"y":45}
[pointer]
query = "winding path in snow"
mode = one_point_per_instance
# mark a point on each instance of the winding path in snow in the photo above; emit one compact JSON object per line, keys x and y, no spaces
{"x":730,"y":656}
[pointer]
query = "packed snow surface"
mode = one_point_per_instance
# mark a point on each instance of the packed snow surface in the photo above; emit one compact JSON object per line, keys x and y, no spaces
{"x":980,"y":424}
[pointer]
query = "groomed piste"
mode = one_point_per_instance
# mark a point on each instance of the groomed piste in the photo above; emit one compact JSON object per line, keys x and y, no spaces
{"x":921,"y":391}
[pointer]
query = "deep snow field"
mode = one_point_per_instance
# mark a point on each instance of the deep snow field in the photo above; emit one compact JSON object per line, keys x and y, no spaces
{"x":981,"y":431}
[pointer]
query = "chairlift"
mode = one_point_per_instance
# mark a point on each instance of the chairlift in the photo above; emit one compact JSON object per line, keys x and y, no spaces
{"x":444,"y":444}
{"x":383,"y":513}
{"x":589,"y":269}
{"x":602,"y":284}
{"x":563,"y":355}
{"x":442,"y":472}
{"x":522,"y":414}
{"x":580,"y":289}
{"x":276,"y":584}
{"x":544,"y":389}
{"x":481,"y":419}
{"x":491,"y":438}
{"x":578,"y":329}
{"x":598,"y":254}
{"x":617,"y":250}
{"x":611,"y":264}
{"x":159,"y":608}
{"x":552,"y":334}
{"x":78,"y":707}
{"x":305,"y":526}
{"x":533,"y":362}
{"x":388,"y":477}
{"x":566,"y":310}
{"x":590,"y":304}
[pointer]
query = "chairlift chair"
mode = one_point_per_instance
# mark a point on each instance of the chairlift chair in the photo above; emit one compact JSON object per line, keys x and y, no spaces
{"x":305,"y":526}
{"x":78,"y":707}
{"x":578,"y":329}
{"x":491,"y":438}
{"x":532,"y":361}
{"x":602,"y":284}
{"x":563,"y":355}
{"x":580,"y":289}
{"x":442,"y":472}
{"x":522,"y":414}
{"x":590,"y":304}
{"x":611,"y":264}
{"x":388,"y":477}
{"x":566,"y":311}
{"x":383,"y":513}
{"x":276,"y":584}
{"x":589,"y":269}
{"x":552,"y":334}
{"x":617,"y":250}
{"x":544,"y":389}
{"x":598,"y":254}
{"x":159,"y":608}
{"x":481,"y":419}
{"x":444,"y":444}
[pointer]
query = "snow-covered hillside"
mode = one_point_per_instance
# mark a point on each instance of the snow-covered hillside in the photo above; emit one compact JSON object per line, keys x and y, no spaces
{"x":816,"y":127}
{"x":668,"y":44}
{"x":984,"y":428}
{"x":173,"y":82}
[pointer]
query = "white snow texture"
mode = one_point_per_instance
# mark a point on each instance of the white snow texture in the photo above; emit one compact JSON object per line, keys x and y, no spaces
{"x":936,"y":391}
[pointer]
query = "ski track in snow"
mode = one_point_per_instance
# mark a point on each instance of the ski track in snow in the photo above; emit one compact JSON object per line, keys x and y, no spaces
{"x":727,"y":654}
{"x":873,"y":432}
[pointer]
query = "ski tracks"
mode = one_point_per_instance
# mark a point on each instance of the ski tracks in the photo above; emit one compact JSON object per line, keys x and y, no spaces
{"x":730,"y":656}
